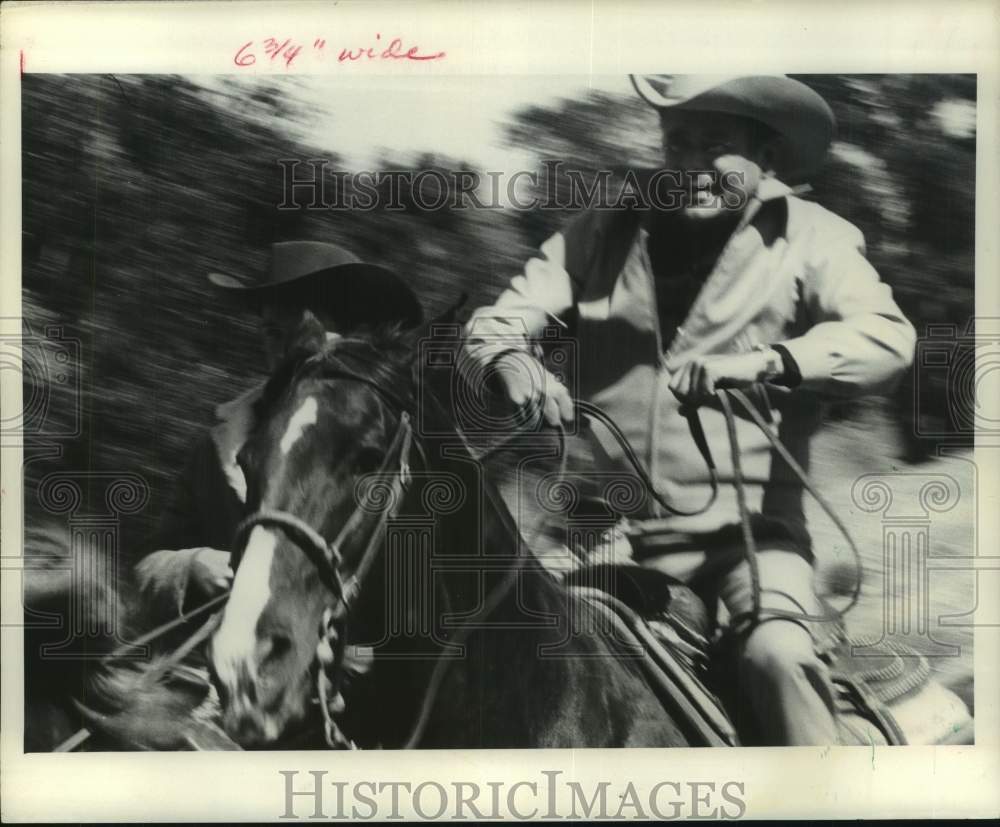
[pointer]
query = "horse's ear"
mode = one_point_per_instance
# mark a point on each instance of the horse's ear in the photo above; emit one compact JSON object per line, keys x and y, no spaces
{"x":308,"y":339}
{"x":310,"y":335}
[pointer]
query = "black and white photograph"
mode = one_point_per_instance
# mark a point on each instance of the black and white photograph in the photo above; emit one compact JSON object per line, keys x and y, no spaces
{"x":370,"y":404}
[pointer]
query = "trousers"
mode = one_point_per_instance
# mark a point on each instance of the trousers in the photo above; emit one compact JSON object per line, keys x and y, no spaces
{"x":784,"y":686}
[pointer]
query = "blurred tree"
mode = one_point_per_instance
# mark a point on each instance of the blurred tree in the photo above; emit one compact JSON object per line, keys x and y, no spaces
{"x":584,"y":135}
{"x":905,"y":172}
{"x":135,"y":187}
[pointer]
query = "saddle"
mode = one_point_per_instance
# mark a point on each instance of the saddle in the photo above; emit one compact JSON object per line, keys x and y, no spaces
{"x":651,"y":613}
{"x":884,"y":697}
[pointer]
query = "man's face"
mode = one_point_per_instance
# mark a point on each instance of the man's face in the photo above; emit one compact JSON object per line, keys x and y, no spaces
{"x":716,"y":157}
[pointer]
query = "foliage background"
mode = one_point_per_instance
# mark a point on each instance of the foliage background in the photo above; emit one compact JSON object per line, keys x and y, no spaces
{"x":135,"y":187}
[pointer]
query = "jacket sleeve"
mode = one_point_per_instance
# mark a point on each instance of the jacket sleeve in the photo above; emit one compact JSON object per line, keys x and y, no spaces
{"x":859,"y":341}
{"x":530,"y":302}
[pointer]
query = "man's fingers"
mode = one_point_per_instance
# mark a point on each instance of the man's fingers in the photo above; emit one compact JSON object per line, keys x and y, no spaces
{"x":706,"y":382}
{"x":559,"y":394}
{"x":699,"y":378}
{"x":515,"y":388}
{"x":517,"y":396}
{"x":511,"y":371}
{"x":565,"y":402}
{"x":690,"y":378}
{"x":681,"y":382}
{"x":551,"y":410}
{"x":675,"y":381}
{"x":522,"y":391}
{"x":536,"y":394}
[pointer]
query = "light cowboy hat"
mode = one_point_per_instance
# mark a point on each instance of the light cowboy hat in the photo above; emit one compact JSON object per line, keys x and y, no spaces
{"x":787,"y":106}
{"x":333,"y":277}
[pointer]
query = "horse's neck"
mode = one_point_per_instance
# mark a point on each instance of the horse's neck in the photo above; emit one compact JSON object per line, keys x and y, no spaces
{"x":459,"y":577}
{"x":525,"y":665}
{"x":484,"y":533}
{"x":525,"y":675}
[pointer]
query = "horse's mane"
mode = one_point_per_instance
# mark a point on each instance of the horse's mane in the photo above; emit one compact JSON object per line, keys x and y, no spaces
{"x":382,"y":355}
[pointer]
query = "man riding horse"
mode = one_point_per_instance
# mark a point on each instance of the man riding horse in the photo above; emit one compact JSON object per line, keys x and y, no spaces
{"x":304,"y":278}
{"x":671,"y":305}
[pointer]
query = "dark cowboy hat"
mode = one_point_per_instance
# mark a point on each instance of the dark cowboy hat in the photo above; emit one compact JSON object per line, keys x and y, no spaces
{"x":787,"y":106}
{"x":332,"y":277}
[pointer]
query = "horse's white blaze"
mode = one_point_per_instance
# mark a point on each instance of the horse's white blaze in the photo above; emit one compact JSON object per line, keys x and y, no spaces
{"x":236,"y":641}
{"x":301,"y":419}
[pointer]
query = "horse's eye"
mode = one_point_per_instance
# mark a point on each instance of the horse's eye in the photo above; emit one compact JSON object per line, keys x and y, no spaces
{"x":367,"y":460}
{"x":243,"y":458}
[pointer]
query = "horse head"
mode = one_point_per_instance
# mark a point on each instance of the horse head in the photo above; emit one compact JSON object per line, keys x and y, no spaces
{"x":334,"y":412}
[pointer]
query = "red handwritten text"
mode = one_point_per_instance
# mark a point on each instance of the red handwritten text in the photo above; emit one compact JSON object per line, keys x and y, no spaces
{"x":288,"y":50}
{"x":276,"y":49}
{"x":394,"y":51}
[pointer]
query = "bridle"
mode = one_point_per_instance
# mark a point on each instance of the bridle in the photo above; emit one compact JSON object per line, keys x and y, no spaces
{"x":328,"y":557}
{"x":328,"y":560}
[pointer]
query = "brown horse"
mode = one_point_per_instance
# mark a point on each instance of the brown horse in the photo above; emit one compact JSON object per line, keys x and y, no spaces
{"x":374,"y":537}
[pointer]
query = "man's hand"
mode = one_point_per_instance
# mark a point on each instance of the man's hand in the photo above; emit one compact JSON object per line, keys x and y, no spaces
{"x":529,"y":385}
{"x":175,"y":580}
{"x":697,"y":381}
{"x":210,"y":572}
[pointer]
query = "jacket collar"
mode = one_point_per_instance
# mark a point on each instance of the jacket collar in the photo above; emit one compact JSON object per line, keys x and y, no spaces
{"x":770,"y":188}
{"x":236,"y":420}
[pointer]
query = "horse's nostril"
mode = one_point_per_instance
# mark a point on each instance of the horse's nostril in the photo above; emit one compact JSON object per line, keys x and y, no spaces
{"x":274,"y":647}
